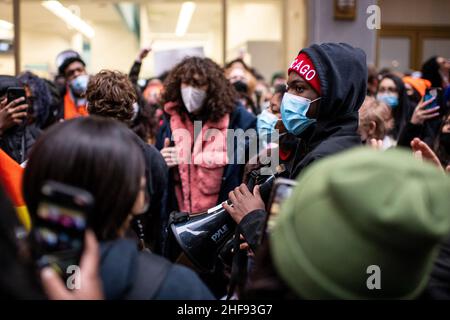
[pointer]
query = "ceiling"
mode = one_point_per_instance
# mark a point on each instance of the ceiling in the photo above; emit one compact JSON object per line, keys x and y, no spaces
{"x":36,"y":18}
{"x":163,"y":16}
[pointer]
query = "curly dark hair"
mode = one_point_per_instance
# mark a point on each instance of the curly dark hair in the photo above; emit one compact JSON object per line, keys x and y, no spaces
{"x":111,"y":94}
{"x":221,"y":97}
{"x":145,"y":125}
{"x":40,"y":96}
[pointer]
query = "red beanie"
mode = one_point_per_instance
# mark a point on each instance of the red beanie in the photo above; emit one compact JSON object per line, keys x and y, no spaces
{"x":304,"y":67}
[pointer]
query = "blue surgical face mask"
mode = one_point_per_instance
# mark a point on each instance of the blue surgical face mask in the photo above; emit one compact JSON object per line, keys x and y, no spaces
{"x":266,"y":122}
{"x":265,"y":125}
{"x":390,"y":99}
{"x":79,"y":85}
{"x":293,"y":113}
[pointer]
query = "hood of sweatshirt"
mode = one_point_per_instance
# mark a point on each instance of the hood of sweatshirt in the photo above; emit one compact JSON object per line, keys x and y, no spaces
{"x":342,"y":71}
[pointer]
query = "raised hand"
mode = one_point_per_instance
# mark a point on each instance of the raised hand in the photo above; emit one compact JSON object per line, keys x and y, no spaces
{"x":423,"y":152}
{"x":421,"y":114}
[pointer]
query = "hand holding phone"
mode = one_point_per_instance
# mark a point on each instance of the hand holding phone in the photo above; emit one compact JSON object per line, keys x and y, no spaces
{"x":91,"y":288}
{"x":14,"y":93}
{"x":169,"y":153}
{"x":429,"y":107}
{"x":13,"y":109}
{"x":282,"y":189}
{"x":60,"y":225}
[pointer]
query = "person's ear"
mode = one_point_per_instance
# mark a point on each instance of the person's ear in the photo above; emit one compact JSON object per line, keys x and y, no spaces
{"x":371,"y":128}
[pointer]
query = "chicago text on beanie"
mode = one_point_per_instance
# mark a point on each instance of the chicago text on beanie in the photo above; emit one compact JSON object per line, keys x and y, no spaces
{"x":304,"y":67}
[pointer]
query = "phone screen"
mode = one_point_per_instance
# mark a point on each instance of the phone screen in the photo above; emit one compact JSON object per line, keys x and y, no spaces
{"x":59,"y":234}
{"x":282,"y":190}
{"x":14,"y":93}
{"x":430,"y":94}
{"x":59,"y":229}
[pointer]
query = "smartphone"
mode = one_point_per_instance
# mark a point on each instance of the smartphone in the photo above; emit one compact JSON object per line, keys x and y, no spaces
{"x":431,"y":93}
{"x":60,"y":225}
{"x":13,"y":93}
{"x":282,"y":189}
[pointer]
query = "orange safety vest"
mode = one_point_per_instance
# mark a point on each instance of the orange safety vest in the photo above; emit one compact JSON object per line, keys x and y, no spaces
{"x":71,"y":110}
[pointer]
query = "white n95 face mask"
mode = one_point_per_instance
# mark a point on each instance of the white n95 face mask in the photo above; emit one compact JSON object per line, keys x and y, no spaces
{"x":193,"y":98}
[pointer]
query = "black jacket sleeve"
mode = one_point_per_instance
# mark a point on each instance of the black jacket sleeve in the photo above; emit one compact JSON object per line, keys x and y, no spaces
{"x":252,"y":227}
{"x":134,"y":72}
{"x":408,"y":133}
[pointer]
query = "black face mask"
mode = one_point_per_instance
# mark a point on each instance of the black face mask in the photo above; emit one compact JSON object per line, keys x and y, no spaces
{"x":241,"y":86}
{"x":444,"y":142}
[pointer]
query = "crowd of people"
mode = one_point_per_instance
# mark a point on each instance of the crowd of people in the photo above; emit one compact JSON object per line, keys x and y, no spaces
{"x":369,"y":150}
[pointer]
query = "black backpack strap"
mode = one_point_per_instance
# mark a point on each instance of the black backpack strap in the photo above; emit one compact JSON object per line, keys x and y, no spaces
{"x":150,"y":274}
{"x":238,"y":267}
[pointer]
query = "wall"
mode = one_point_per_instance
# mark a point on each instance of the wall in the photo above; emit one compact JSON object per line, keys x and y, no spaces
{"x":113,"y":47}
{"x":323,"y":27}
{"x":295,"y":29}
{"x":7,"y":64}
{"x":429,"y":12}
{"x":426,"y":41}
{"x":266,"y":57}
{"x":252,"y":21}
{"x":39,"y":50}
{"x":158,"y":24}
{"x":44,"y":35}
{"x":6,"y":60}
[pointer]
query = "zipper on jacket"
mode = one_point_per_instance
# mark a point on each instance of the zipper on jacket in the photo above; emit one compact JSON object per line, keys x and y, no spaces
{"x":190,"y":188}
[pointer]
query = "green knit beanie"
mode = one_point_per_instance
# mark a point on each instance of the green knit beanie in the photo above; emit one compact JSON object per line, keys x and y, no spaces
{"x":361,"y":225}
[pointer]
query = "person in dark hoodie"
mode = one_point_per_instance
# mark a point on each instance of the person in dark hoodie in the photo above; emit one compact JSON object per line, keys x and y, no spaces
{"x":101,"y":156}
{"x":17,"y":136}
{"x":326,"y":87}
